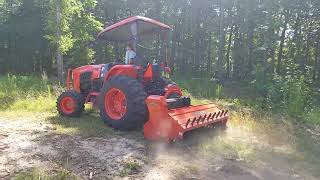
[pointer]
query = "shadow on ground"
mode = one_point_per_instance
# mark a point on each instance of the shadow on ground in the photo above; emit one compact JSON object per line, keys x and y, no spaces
{"x":88,"y":125}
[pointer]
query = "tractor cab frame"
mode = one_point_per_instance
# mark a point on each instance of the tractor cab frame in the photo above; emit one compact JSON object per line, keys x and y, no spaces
{"x":133,"y":29}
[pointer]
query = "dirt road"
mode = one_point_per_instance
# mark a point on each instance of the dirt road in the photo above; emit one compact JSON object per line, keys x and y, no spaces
{"x":210,"y":154}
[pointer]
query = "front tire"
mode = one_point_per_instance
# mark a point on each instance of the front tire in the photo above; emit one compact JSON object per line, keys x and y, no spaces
{"x":70,"y":104}
{"x":122,"y":103}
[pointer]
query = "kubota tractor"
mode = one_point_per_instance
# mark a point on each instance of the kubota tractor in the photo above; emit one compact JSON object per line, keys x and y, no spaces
{"x":135,"y":95}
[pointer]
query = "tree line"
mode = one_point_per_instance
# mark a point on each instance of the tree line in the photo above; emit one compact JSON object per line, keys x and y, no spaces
{"x":226,"y":39}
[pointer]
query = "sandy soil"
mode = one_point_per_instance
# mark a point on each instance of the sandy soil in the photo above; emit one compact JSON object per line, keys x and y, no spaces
{"x":25,"y":144}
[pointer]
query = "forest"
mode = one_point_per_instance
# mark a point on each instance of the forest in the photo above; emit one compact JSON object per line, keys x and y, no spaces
{"x":272,"y":45}
{"x":262,"y":55}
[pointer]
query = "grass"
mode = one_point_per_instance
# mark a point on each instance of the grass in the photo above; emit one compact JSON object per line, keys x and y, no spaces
{"x":313,"y":117}
{"x":35,"y":98}
{"x":38,"y":174}
{"x":200,"y":87}
{"x":87,"y":125}
{"x":27,"y":93}
{"x":262,"y":137}
{"x":193,"y":169}
{"x":131,"y":167}
{"x":257,"y":133}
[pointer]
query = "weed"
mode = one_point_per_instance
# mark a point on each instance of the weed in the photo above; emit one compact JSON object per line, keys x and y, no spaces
{"x":27,"y":93}
{"x":123,"y":173}
{"x":200,"y":87}
{"x":193,"y":169}
{"x":36,"y":174}
{"x":131,"y":167}
{"x":313,"y":117}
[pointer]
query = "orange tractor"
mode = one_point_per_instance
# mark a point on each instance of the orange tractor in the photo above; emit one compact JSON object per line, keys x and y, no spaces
{"x":135,"y":95}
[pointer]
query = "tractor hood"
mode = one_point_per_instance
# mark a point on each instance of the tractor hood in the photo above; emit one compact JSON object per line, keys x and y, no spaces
{"x":132,"y":27}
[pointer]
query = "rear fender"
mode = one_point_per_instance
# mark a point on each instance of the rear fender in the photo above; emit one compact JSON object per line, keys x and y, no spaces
{"x":122,"y":70}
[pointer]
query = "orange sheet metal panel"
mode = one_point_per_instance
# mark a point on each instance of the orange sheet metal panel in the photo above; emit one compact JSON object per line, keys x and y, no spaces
{"x":170,"y":125}
{"x":197,"y":116}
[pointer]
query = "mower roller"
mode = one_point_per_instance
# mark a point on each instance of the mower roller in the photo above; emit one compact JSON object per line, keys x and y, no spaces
{"x":136,"y":95}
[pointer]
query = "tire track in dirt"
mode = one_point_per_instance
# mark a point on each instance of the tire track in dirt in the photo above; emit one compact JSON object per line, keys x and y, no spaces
{"x":24,"y":145}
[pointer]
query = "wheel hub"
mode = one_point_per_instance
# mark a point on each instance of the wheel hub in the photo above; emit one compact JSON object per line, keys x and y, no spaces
{"x":67,"y":105}
{"x":115,"y":103}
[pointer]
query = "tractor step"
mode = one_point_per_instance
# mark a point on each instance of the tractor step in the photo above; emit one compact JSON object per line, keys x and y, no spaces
{"x":171,"y":124}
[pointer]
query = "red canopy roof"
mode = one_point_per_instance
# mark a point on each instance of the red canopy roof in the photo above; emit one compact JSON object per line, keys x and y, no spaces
{"x":121,"y":31}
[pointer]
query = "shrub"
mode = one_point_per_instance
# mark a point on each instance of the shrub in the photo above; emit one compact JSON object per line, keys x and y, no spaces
{"x":30,"y":93}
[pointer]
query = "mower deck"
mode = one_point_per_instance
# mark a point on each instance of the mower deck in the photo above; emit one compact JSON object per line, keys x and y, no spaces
{"x":193,"y":117}
{"x":171,"y":125}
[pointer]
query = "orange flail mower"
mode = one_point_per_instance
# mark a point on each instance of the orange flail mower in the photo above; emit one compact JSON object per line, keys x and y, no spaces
{"x":136,"y":94}
{"x":171,"y":124}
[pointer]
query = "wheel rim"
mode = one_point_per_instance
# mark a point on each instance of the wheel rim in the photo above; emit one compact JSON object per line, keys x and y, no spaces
{"x":115,"y":103}
{"x":67,"y":105}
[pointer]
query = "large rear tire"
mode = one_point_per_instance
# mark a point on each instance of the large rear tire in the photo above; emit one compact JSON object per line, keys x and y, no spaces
{"x":70,"y":104}
{"x":122,"y":103}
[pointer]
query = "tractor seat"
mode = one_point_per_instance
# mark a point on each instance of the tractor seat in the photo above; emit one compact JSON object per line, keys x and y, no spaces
{"x":152,"y":72}
{"x":105,"y":69}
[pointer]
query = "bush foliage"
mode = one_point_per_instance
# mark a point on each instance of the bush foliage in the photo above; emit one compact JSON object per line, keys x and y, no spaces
{"x":30,"y":93}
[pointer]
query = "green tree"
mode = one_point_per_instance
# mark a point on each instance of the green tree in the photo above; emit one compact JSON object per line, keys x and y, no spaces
{"x":71,"y":27}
